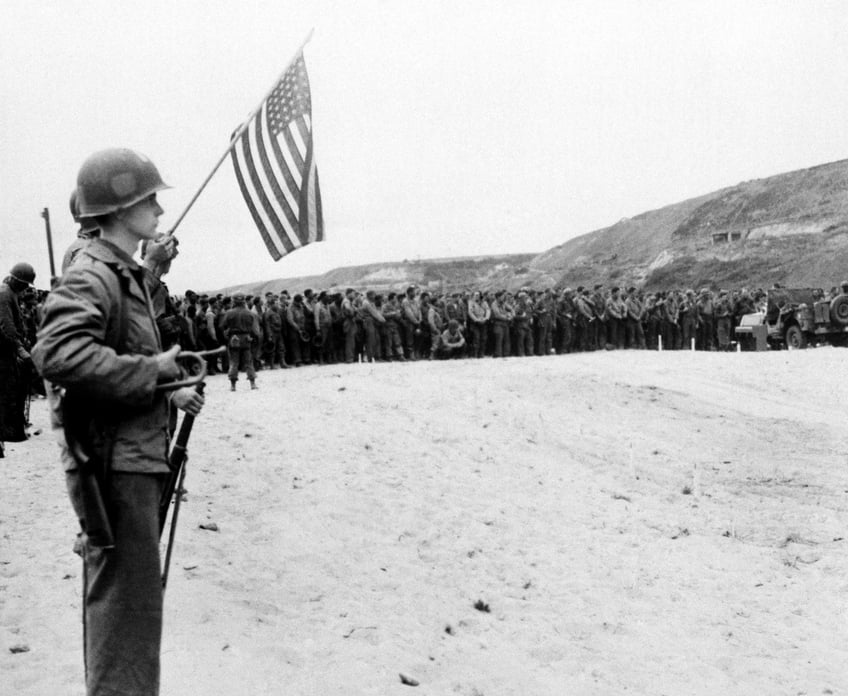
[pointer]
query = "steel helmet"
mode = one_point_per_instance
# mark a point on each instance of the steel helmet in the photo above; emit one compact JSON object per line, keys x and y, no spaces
{"x":113,"y":179}
{"x":86,"y":224}
{"x":23,"y":273}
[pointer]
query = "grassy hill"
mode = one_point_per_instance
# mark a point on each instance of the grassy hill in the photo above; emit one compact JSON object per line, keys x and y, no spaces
{"x":790,"y":228}
{"x":435,"y":274}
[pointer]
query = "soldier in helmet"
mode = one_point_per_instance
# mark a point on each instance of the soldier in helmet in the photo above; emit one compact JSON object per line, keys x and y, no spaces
{"x":584,"y":319}
{"x":15,"y":360}
{"x":348,"y":314}
{"x":479,"y":314}
{"x":689,"y":319}
{"x":296,"y":328}
{"x":272,"y":330}
{"x":99,"y":347}
{"x":86,"y":232}
{"x":724,"y":320}
{"x":566,"y":311}
{"x":372,"y":319}
{"x":413,"y":321}
{"x":501,"y":315}
{"x":241,"y":330}
{"x":391,"y":311}
{"x":616,"y":312}
{"x":633,"y":319}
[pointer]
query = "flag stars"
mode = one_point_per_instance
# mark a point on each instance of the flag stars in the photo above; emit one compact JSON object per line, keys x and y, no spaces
{"x":290,"y":97}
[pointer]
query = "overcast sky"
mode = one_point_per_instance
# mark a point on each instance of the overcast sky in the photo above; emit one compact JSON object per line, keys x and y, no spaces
{"x":441,"y":128}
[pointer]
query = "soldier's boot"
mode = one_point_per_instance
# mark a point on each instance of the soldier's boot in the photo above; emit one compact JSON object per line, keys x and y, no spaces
{"x":253,"y":384}
{"x":232,"y":385}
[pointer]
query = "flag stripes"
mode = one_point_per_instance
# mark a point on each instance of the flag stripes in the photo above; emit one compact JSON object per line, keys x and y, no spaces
{"x":275,"y":168}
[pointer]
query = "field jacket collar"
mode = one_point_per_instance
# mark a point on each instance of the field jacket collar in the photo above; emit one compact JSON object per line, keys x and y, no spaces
{"x":124,"y":264}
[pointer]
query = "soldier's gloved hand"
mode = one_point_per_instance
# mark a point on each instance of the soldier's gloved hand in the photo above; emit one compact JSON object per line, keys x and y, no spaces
{"x":166,"y":364}
{"x":188,"y":399}
{"x":161,"y":249}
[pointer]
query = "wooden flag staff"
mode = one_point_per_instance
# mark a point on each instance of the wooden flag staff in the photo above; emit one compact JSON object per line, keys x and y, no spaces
{"x":238,"y":134}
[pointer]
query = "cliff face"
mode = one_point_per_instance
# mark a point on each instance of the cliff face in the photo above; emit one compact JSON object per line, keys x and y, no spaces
{"x":790,"y":228}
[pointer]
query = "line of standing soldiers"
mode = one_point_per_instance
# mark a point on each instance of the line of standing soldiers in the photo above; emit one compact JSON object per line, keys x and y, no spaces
{"x":354,"y":326}
{"x":287,"y":331}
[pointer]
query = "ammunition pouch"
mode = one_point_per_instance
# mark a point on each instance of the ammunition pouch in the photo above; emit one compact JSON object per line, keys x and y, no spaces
{"x":239,"y":340}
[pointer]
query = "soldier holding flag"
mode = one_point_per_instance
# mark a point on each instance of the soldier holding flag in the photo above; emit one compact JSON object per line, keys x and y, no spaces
{"x":99,"y":347}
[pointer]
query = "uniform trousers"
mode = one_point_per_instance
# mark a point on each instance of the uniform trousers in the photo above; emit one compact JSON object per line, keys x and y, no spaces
{"x":565,"y":335}
{"x":583,"y":333}
{"x":408,"y":339}
{"x":477,"y":334}
{"x":241,"y":359}
{"x":689,"y":328}
{"x":274,"y":349}
{"x":372,"y":340}
{"x":634,"y":332}
{"x":524,"y":339}
{"x":706,"y":332}
{"x":122,"y":589}
{"x":349,"y":340}
{"x":615,"y":332}
{"x":544,"y":335}
{"x":598,"y":333}
{"x":500,"y":334}
{"x":393,"y":346}
{"x":723,"y":332}
{"x":325,"y":351}
{"x":652,"y":333}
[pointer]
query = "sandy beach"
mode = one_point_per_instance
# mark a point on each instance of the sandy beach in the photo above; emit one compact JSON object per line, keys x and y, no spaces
{"x":603,"y":523}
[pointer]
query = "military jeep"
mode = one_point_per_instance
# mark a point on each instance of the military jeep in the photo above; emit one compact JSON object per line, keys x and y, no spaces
{"x":797,"y":317}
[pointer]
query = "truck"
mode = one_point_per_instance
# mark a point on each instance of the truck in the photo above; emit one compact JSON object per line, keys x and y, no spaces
{"x":795,"y":318}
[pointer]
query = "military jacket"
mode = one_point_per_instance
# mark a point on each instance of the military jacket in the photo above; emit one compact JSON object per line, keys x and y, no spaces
{"x":101,"y":298}
{"x":12,"y":336}
{"x":239,"y":320}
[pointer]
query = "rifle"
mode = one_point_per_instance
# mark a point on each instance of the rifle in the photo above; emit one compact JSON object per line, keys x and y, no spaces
{"x":176,"y":463}
{"x":28,"y":402}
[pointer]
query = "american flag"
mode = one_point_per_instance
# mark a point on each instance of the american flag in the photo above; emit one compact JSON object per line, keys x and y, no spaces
{"x":275,"y":166}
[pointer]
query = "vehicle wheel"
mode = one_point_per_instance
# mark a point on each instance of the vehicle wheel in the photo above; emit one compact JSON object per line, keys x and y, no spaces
{"x":795,"y":338}
{"x":839,"y":310}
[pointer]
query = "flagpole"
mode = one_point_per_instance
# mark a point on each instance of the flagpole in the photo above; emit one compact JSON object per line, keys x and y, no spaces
{"x":238,"y":134}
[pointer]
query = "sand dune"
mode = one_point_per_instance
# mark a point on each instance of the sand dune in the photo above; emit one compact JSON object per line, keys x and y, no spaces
{"x":633,"y":522}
